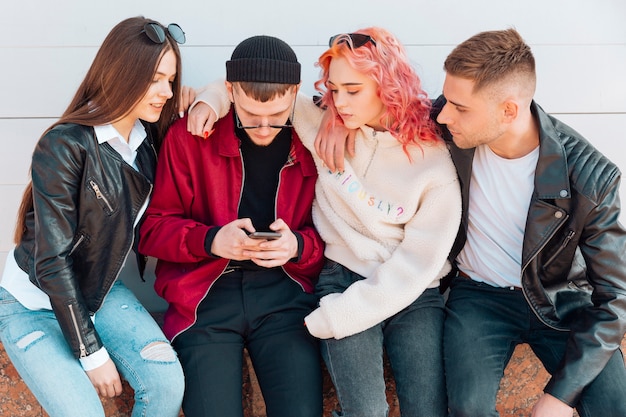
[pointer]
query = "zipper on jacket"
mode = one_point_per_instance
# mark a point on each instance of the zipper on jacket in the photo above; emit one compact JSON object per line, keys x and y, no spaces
{"x":78,"y":242}
{"x":81,"y":345}
{"x":567,"y":239}
{"x":195,"y":311}
{"x":243,"y":180}
{"x":130,"y":248}
{"x":280,"y":174}
{"x":545,"y":242}
{"x":99,"y":194}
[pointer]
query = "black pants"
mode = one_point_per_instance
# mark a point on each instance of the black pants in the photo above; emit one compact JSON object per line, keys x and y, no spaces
{"x":264,"y":312}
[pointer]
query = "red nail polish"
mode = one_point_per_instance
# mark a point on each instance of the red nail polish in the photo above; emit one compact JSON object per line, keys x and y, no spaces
{"x":206,"y":135}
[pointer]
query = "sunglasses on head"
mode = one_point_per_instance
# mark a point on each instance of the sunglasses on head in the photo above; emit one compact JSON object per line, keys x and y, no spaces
{"x":357,"y":39}
{"x":156,"y":33}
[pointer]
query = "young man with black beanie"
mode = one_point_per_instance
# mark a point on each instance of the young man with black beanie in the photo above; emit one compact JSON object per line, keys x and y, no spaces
{"x":226,"y":289}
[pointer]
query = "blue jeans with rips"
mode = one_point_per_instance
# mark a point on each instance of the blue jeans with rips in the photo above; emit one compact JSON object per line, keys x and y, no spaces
{"x":143,"y":356}
{"x":412,"y":340}
{"x":482,"y":328}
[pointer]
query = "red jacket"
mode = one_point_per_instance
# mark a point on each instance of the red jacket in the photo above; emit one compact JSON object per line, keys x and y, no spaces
{"x":198,"y":186}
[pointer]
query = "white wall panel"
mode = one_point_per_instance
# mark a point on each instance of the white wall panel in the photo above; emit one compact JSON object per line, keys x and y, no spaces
{"x":582,"y":78}
{"x":85,"y":23}
{"x":3,"y":257}
{"x":45,"y":80}
{"x":571,"y":79}
{"x":11,"y":197}
{"x":18,"y":138}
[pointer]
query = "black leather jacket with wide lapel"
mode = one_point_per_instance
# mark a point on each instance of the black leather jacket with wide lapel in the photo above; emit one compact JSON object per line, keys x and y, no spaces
{"x":80,"y":232}
{"x":573,"y":268}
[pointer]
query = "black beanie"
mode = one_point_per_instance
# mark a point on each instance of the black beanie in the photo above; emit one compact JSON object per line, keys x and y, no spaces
{"x":263,"y":59}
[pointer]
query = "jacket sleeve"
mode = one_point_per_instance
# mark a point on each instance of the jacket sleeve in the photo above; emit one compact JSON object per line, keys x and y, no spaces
{"x":167,"y":232}
{"x":419,"y":260}
{"x":57,"y":169}
{"x":598,"y":330}
{"x":311,"y":260}
{"x":307,"y":119}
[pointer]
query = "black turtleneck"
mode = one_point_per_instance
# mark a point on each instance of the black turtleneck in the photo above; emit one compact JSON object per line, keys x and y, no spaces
{"x":262,"y":165}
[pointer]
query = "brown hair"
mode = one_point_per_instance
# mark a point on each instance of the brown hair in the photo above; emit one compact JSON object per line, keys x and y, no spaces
{"x":490,"y":57}
{"x":117,"y":80}
{"x":263,"y":92}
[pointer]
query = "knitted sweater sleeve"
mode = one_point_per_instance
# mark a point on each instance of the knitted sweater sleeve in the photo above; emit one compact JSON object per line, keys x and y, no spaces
{"x":215,"y":96}
{"x":416,"y":264}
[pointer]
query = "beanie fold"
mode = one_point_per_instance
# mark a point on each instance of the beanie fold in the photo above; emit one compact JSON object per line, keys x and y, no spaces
{"x":263,"y":70}
{"x":263,"y":59}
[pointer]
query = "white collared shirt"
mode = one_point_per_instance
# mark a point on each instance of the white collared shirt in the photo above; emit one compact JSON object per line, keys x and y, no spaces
{"x":128,"y":151}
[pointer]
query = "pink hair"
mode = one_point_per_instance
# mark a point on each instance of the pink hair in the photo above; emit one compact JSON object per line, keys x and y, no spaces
{"x":399,"y":87}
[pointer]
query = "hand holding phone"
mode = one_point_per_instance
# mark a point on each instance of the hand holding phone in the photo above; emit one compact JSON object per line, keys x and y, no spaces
{"x":265,"y":235}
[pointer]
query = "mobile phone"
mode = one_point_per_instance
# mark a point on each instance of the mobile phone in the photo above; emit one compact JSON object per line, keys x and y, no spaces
{"x":265,"y":235}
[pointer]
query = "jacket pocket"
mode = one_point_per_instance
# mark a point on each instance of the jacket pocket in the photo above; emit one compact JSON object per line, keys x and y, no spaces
{"x":79,"y":240}
{"x":560,"y":249}
{"x":102,"y":199}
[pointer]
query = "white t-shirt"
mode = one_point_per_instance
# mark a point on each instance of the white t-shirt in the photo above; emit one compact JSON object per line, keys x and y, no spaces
{"x":500,"y":193}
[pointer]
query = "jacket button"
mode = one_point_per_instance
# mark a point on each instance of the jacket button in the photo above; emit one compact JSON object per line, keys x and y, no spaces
{"x":558,"y":214}
{"x":563,"y":193}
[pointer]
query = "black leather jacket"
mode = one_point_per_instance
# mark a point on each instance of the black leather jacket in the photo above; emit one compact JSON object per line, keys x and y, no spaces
{"x":573,"y":258}
{"x":86,"y":200}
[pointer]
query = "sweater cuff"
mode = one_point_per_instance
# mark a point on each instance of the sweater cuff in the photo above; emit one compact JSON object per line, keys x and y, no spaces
{"x":208,"y":240}
{"x":300,"y":240}
{"x":317,"y":324}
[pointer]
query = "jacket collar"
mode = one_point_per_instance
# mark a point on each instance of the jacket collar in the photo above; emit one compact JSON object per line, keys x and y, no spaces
{"x":551,"y":175}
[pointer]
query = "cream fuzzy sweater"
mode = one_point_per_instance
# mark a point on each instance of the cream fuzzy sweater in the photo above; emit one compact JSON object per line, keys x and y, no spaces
{"x":388,"y":219}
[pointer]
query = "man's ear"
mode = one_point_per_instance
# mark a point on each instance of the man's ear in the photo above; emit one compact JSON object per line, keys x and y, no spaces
{"x":510,"y":110}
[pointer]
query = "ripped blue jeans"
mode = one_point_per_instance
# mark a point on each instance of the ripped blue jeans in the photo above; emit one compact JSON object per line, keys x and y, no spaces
{"x":143,"y":356}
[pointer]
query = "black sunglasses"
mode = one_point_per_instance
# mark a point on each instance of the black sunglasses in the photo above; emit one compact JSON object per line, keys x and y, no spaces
{"x":155,"y":32}
{"x":357,"y":39}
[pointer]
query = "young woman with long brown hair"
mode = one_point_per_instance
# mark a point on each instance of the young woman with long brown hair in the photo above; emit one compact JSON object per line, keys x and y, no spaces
{"x":70,"y":327}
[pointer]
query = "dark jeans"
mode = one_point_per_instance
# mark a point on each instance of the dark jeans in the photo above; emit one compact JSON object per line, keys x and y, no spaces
{"x":482,"y":328}
{"x":263,"y":311}
{"x":412,"y":339}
